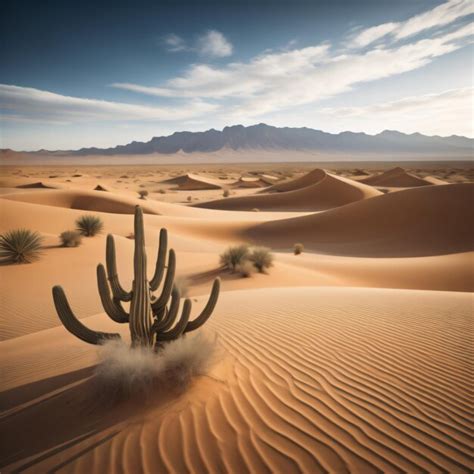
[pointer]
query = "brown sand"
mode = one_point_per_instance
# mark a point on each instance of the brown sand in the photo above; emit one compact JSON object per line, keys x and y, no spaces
{"x":355,"y":356}
{"x":396,"y":178}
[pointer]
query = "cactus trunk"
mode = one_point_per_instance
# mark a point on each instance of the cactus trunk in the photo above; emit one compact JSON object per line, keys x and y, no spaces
{"x":140,"y":308}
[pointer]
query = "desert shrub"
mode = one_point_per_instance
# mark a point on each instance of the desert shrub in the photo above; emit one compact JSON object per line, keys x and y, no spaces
{"x":245,"y":269}
{"x":226,"y":193}
{"x":143,"y":193}
{"x":234,"y":256}
{"x":70,"y":238}
{"x":162,"y":191}
{"x":262,"y":258}
{"x":89,"y":225}
{"x":122,"y":372}
{"x":189,"y":198}
{"x":298,"y":248}
{"x":20,"y":246}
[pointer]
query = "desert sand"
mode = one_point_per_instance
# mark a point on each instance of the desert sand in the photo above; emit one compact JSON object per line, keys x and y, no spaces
{"x":354,"y":356}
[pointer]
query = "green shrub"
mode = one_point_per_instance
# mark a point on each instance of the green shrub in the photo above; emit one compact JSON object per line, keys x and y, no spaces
{"x":70,"y":238}
{"x":262,"y":258}
{"x":298,"y":248}
{"x":89,"y":225}
{"x":234,"y":256}
{"x":20,"y":246}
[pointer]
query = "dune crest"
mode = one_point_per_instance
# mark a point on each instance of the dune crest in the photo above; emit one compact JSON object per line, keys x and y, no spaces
{"x":396,"y":178}
{"x":415,"y":222}
{"x":192,"y":182}
{"x":324,"y":191}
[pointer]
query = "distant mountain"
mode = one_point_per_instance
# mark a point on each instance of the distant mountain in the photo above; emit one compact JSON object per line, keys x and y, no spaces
{"x":265,"y":137}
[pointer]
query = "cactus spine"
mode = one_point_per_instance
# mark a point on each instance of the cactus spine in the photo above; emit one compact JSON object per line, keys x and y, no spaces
{"x":153,"y":320}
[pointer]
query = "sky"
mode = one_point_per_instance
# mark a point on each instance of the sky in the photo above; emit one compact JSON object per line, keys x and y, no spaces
{"x":92,"y":73}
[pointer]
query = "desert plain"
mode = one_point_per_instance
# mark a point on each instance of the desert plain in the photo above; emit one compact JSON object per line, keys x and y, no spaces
{"x":354,"y":356}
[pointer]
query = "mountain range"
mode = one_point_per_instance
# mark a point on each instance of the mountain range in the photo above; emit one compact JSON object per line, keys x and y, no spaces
{"x":266,"y":137}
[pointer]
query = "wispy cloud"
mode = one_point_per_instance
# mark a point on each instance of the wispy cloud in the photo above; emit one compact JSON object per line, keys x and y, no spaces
{"x":439,"y":16}
{"x":276,"y":81}
{"x":25,"y":103}
{"x":210,"y":44}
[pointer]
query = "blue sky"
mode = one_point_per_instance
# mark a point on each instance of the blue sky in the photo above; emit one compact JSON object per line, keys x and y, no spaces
{"x":107,"y":73}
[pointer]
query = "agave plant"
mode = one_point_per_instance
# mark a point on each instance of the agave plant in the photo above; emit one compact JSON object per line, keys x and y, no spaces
{"x":152,"y":319}
{"x":20,"y":246}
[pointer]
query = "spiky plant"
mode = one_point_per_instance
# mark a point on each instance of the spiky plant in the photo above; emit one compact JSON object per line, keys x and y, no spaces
{"x":262,"y":258}
{"x":20,"y":246}
{"x":70,"y":238}
{"x":234,"y":256}
{"x":153,"y":320}
{"x":89,"y":225}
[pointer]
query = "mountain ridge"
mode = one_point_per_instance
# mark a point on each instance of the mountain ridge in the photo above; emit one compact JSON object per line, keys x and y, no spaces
{"x":267,"y":137}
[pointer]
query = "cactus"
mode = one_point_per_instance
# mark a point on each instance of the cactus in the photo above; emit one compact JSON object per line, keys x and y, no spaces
{"x":153,"y":320}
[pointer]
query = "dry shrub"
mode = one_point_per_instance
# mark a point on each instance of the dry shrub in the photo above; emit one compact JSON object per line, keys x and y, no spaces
{"x":298,"y":248}
{"x":226,"y":193}
{"x":70,"y":238}
{"x":123,"y":371}
{"x":234,"y":256}
{"x":262,"y":258}
{"x":245,"y":269}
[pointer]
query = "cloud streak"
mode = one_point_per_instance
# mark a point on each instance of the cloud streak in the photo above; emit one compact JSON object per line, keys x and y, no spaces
{"x":26,"y":103}
{"x":210,"y":44}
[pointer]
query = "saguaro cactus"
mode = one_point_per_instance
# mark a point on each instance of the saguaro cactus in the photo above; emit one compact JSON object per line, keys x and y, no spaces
{"x":153,"y":320}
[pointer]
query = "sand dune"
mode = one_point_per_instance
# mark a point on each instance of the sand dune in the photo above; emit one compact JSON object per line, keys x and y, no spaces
{"x":334,"y":390}
{"x":413,"y":222}
{"x":308,"y":179}
{"x":396,"y":178}
{"x":325,"y":193}
{"x":191,"y":182}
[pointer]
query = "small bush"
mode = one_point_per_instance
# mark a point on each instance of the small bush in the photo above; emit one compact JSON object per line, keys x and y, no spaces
{"x":70,"y":238}
{"x":298,"y":248}
{"x":226,"y":193}
{"x":143,"y":193}
{"x":20,"y":246}
{"x":162,"y":191}
{"x":89,"y":225}
{"x":245,"y":269}
{"x":234,"y":256}
{"x":262,"y":258}
{"x":189,"y":198}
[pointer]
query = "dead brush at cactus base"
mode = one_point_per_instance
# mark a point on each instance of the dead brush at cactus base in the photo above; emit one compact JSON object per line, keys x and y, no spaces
{"x":123,"y":371}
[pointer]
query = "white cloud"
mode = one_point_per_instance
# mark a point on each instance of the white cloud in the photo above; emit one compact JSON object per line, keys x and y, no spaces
{"x":211,"y":44}
{"x":175,"y":43}
{"x":443,"y":113}
{"x":439,"y":16}
{"x":283,"y":80}
{"x":25,"y":103}
{"x":214,"y":44}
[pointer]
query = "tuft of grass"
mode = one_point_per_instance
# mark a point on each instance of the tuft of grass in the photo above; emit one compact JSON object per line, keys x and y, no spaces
{"x":298,"y":248}
{"x":20,"y":246}
{"x":89,"y":225}
{"x":123,"y":371}
{"x":234,"y":256}
{"x":70,"y":238}
{"x":245,"y":269}
{"x":262,"y":258}
{"x":143,"y":193}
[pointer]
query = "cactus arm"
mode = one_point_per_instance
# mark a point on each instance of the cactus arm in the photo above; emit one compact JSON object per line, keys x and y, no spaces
{"x":167,"y":285}
{"x":160,"y":261}
{"x":111,"y":306}
{"x":208,"y":309}
{"x":171,"y":314}
{"x":73,"y":325}
{"x":179,"y":328}
{"x":111,"y":262}
{"x":141,"y":316}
